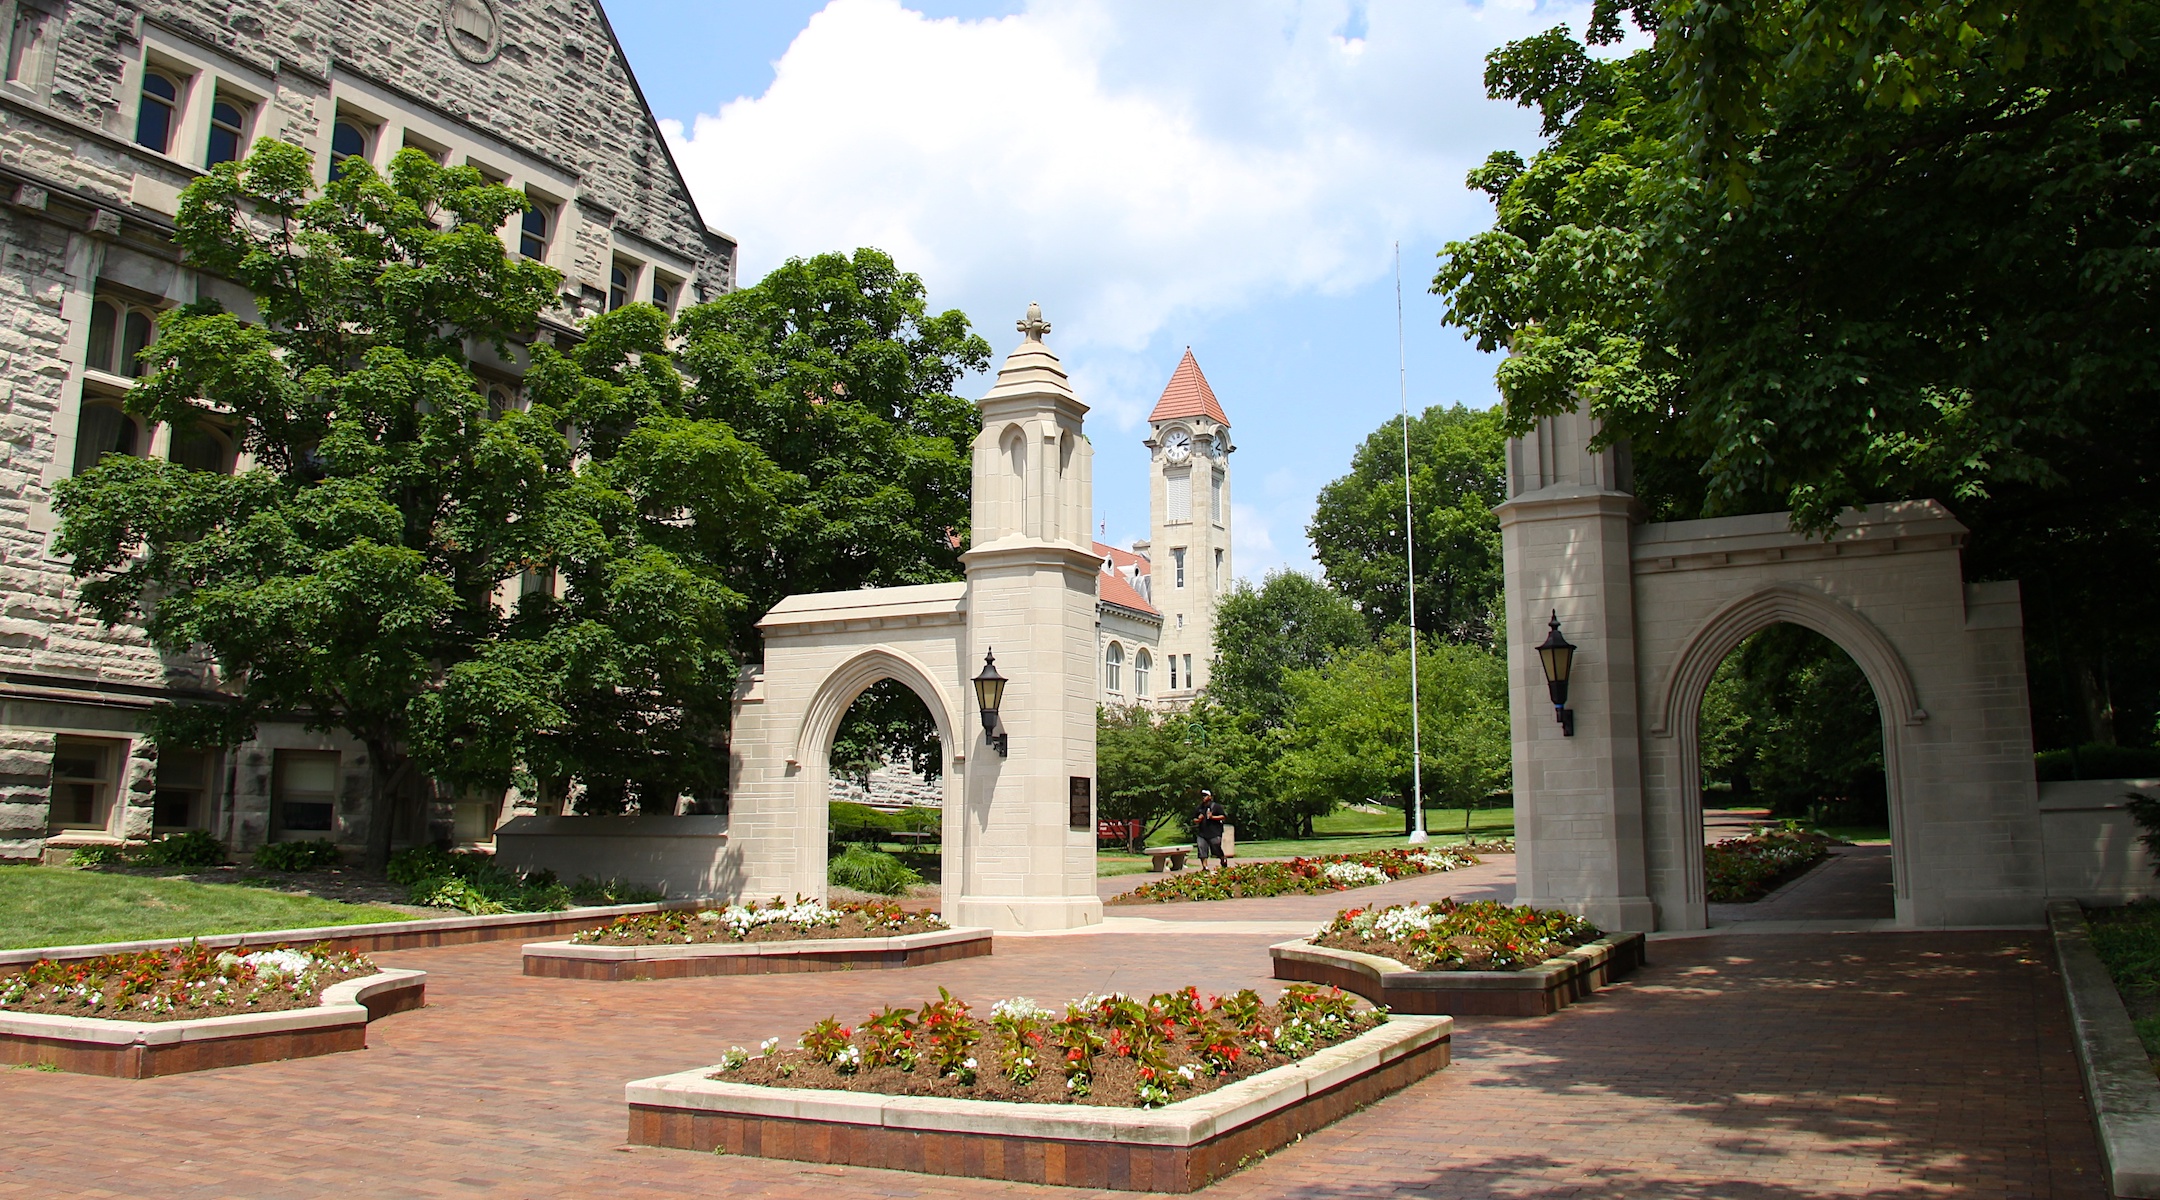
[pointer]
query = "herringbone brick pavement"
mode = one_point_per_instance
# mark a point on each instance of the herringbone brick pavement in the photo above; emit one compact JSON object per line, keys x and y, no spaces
{"x":1757,"y":1068}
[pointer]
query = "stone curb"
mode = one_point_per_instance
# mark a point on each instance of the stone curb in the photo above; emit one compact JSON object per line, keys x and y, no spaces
{"x":2119,"y":1082}
{"x":897,"y":943}
{"x":424,"y":932}
{"x":1183,"y":1124}
{"x":341,"y":1004}
{"x":1533,"y":991}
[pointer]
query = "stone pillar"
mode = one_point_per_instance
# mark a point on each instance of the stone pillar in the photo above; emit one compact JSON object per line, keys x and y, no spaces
{"x":1564,"y":536}
{"x":1031,"y":599}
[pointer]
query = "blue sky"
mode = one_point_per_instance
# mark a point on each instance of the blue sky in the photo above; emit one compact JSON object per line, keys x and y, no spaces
{"x":1230,"y":177}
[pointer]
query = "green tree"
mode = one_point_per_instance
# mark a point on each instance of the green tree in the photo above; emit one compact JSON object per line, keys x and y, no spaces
{"x":1348,"y":738}
{"x":834,"y":367}
{"x":1357,"y":523}
{"x":1291,"y":621}
{"x":352,"y":576}
{"x":1805,"y":256}
{"x":1150,"y":767}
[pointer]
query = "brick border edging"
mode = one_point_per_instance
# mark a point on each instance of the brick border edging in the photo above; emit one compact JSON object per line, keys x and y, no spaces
{"x":1534,"y":992}
{"x":360,"y":939}
{"x":2120,"y":1086}
{"x":568,"y":960}
{"x":147,"y":1049}
{"x":1180,"y":1147}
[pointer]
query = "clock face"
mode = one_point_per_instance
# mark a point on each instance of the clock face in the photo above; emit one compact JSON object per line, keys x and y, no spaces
{"x":1177,"y":445}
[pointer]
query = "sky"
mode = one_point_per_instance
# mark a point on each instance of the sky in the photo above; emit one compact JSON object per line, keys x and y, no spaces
{"x":1232,"y":177}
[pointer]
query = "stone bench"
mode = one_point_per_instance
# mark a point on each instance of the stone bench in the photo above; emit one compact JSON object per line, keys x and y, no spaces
{"x":1172,"y":855}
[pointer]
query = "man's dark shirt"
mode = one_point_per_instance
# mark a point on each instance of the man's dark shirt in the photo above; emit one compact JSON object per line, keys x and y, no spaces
{"x":1211,"y":818}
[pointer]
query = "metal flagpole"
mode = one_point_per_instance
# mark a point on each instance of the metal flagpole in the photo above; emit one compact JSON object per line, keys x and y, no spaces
{"x":1417,"y":745}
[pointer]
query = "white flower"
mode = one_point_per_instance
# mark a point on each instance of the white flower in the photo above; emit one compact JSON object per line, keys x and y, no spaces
{"x":1353,"y":874}
{"x":1020,"y":1007}
{"x":969,"y":1064}
{"x":769,"y":1047}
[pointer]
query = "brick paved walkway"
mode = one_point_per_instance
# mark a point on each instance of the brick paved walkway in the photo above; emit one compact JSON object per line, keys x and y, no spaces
{"x":1763,"y":1068}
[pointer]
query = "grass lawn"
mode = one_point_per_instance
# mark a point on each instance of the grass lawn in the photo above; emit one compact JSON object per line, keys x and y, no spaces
{"x":1347,"y":832}
{"x":57,"y":906}
{"x":2128,"y":941}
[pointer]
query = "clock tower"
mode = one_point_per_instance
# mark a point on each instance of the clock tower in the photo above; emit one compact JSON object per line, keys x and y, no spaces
{"x":1189,"y":543}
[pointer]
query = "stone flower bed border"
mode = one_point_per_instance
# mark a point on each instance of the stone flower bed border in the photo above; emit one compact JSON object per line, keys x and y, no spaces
{"x":144,"y":1049}
{"x":571,"y":960}
{"x":1532,"y":992}
{"x":1179,"y":1147}
{"x":2119,"y":1085}
{"x":422,"y":934}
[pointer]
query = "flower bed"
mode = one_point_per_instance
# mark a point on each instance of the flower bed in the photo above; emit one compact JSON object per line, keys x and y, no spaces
{"x":1483,"y":935}
{"x":1111,"y":1050}
{"x":774,"y":921}
{"x":1743,"y":869}
{"x":1307,"y":876}
{"x":179,"y":984}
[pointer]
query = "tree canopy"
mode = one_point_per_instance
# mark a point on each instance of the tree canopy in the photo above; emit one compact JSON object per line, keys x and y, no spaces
{"x":1806,"y":256}
{"x":552,"y":595}
{"x":1291,"y":621}
{"x":1459,"y":475}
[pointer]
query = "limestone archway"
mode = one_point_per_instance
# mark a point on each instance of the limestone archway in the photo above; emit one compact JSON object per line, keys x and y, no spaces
{"x":1674,"y":726}
{"x":821,"y":652}
{"x":821,"y":722}
{"x":1610,"y":818}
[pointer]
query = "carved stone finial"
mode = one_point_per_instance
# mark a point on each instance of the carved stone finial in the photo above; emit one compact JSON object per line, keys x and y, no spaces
{"x":1033,"y":325}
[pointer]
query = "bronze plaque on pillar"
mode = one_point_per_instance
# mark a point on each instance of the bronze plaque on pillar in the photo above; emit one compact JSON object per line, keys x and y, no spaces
{"x":1083,"y":802}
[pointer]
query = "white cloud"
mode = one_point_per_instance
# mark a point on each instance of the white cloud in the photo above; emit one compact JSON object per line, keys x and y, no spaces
{"x":1126,"y":162}
{"x":1252,"y":544}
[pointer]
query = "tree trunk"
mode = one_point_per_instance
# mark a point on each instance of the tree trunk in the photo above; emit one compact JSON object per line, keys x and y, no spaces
{"x":386,"y":775}
{"x":2098,"y":703}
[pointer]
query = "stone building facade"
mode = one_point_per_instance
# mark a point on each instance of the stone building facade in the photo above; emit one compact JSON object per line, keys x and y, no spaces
{"x":108,"y":109}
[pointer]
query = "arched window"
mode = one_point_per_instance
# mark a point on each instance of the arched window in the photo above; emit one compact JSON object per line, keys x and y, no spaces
{"x":618,"y":288}
{"x":154,"y":113}
{"x":136,"y":334}
{"x":663,"y":294}
{"x":228,"y":129}
{"x":103,"y":430}
{"x":104,"y":332}
{"x":348,"y":139}
{"x":1113,"y":663}
{"x":1140,"y":664}
{"x":533,"y":232}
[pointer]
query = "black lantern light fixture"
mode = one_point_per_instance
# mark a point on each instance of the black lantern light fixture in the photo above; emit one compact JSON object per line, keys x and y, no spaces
{"x":1558,"y":658}
{"x":989,"y":693}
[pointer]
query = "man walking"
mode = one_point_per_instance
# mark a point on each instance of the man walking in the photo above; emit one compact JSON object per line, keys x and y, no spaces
{"x":1207,"y":831}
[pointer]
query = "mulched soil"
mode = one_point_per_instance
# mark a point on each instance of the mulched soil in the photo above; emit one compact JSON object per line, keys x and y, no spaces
{"x":852,"y":925}
{"x":1114,"y":1082}
{"x":350,"y":885}
{"x":280,"y":1001}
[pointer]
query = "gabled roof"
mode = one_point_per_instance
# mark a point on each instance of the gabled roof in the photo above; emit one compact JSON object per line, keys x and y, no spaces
{"x":1122,"y":558}
{"x":1111,"y":588}
{"x":1188,"y":395}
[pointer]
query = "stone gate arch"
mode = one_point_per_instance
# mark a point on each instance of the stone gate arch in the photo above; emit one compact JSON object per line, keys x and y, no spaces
{"x":1673,"y":747}
{"x":1609,"y":820}
{"x":821,"y":651}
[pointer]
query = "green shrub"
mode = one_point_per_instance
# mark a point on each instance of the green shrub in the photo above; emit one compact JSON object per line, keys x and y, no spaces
{"x":588,"y":891}
{"x":195,"y":848}
{"x":298,"y":856}
{"x":865,"y":870}
{"x":2097,"y":762}
{"x":94,"y":856}
{"x":422,"y":863}
{"x":451,"y":892}
{"x":474,"y":882}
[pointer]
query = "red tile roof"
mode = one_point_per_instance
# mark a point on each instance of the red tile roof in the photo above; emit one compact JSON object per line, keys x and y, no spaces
{"x":1111,"y":588}
{"x":1188,"y":394}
